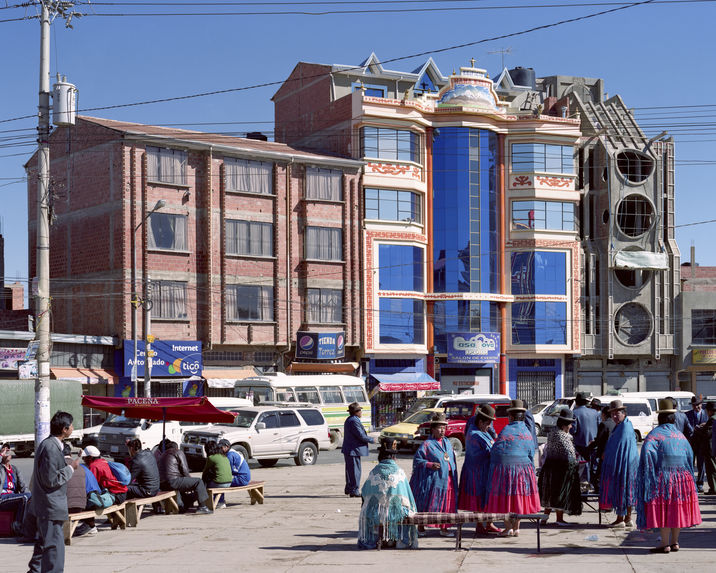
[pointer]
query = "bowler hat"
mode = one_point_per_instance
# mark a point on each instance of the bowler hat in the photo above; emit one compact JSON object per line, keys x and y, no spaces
{"x":666,"y":406}
{"x":596,"y":403}
{"x":438,"y":419}
{"x":516,"y":406}
{"x":354,"y":407}
{"x":695,"y":400}
{"x":566,"y":415}
{"x":616,"y":405}
{"x":582,"y":397}
{"x":486,"y":412}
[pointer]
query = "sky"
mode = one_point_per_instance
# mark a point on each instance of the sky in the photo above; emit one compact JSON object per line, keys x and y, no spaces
{"x":657,"y":55}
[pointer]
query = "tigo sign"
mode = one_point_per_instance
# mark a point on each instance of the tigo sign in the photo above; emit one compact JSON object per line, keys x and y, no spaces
{"x":474,"y":347}
{"x":180,"y":358}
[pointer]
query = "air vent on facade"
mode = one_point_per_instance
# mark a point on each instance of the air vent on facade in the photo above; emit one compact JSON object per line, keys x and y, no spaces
{"x":635,"y":215}
{"x":634,"y":166}
{"x":632,"y":324}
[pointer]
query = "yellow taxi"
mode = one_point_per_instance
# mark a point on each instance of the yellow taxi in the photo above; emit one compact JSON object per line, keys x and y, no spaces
{"x":404,"y":432}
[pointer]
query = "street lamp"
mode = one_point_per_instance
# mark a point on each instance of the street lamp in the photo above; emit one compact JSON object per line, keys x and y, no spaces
{"x":135,"y":302}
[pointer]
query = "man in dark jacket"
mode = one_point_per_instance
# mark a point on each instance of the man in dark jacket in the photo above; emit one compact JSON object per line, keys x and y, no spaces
{"x":174,"y":475}
{"x":355,"y":445}
{"x":49,"y":496}
{"x":144,"y":469}
{"x":596,"y":446}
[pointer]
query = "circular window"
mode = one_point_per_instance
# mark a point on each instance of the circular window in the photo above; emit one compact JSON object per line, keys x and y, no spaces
{"x":632,"y":323}
{"x":634,"y":166}
{"x":635,"y":215}
{"x":632,"y":278}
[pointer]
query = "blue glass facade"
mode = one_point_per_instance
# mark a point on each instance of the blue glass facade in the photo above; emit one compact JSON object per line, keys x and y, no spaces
{"x":539,"y":272}
{"x":539,"y":323}
{"x":401,"y":321}
{"x":400,"y":268}
{"x":465,"y":241}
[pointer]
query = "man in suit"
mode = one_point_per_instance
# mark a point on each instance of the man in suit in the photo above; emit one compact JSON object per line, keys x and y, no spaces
{"x":584,"y":431}
{"x":355,"y":445}
{"x":49,"y":496}
{"x":697,"y":417}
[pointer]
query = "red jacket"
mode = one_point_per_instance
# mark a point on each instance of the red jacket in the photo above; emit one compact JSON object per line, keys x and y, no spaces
{"x":101,"y":470}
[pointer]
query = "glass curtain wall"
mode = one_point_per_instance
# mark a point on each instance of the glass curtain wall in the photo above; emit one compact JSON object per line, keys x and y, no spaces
{"x":465,"y":257}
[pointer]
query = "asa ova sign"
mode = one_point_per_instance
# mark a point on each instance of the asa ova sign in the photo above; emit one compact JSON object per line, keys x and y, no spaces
{"x":320,"y":345}
{"x":474,"y":347}
{"x":181,"y":358}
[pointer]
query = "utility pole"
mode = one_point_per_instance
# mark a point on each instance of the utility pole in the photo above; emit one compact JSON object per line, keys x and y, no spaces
{"x":42,"y":308}
{"x":148,"y":339}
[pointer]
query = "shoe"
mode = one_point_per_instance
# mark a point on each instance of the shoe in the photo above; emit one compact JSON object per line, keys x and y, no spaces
{"x":516,"y":533}
{"x":674,"y":546}
{"x":202,"y":509}
{"x":562,"y":523}
{"x":355,"y":495}
{"x":81,"y":529}
{"x":617,"y":525}
{"x":446,"y":533}
{"x":629,"y":524}
{"x":664,"y":549}
{"x":492,"y":528}
{"x":92,"y":531}
{"x":421,"y":533}
{"x":507,"y":533}
{"x":222,"y":505}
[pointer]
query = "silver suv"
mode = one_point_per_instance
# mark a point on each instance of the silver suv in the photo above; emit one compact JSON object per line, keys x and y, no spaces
{"x":266,"y":433}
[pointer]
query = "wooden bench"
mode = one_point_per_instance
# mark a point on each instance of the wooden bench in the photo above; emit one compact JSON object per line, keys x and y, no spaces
{"x":255,"y":489}
{"x":135,"y":506}
{"x":115,"y":514}
{"x":458,"y":519}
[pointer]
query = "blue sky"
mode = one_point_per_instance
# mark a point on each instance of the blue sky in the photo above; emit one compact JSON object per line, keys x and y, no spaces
{"x":658,"y":54}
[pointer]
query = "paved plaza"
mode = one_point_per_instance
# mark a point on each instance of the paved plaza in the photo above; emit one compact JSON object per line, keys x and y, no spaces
{"x":307,"y":524}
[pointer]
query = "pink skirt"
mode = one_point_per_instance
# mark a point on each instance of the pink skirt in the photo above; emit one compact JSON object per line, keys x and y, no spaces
{"x":448,"y":505}
{"x":469,"y":502}
{"x":513,"y":490}
{"x":679,"y":508}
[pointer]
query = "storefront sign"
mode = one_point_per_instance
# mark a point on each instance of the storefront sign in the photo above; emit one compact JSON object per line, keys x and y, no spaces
{"x":320,"y":345}
{"x":473,"y":348}
{"x":703,"y":356}
{"x":9,"y":358}
{"x":193,"y":388}
{"x":181,"y":358}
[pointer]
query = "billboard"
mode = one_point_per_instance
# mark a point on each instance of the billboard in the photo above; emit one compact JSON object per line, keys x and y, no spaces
{"x":474,"y":347}
{"x":175,"y":358}
{"x":703,"y":356}
{"x":320,"y":345}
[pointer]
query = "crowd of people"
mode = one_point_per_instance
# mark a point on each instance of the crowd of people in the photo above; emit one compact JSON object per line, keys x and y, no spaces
{"x":591,"y":447}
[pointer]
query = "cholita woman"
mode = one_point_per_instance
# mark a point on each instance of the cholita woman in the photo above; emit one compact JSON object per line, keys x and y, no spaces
{"x":667,"y":497}
{"x":512,"y":483}
{"x":473,"y":479}
{"x":558,"y":483}
{"x":434,"y":479}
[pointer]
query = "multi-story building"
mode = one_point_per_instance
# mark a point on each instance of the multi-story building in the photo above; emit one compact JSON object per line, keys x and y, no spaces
{"x":242,"y":242}
{"x":469,"y":206}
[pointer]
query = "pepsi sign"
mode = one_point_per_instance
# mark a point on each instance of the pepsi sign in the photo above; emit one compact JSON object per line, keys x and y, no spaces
{"x":320,"y":345}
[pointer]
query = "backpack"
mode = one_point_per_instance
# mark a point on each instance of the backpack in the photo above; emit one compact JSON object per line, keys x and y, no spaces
{"x":121,"y":472}
{"x":99,"y":500}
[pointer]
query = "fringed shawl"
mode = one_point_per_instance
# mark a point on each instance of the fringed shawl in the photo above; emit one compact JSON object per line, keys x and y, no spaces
{"x":429,"y":485}
{"x":619,"y":469}
{"x":514,"y":445}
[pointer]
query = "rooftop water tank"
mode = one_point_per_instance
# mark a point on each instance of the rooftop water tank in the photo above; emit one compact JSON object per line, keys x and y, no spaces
{"x":523,"y":77}
{"x":64,"y":102}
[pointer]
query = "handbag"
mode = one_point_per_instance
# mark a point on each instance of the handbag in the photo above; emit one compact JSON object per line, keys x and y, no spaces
{"x":99,"y":500}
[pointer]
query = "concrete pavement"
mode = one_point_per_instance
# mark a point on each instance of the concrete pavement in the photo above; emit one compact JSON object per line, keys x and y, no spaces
{"x":307,"y":524}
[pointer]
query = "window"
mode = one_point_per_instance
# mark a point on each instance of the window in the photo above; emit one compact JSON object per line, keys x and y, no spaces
{"x":632,"y":323}
{"x":369,"y":90}
{"x":308,"y":395}
{"x":312,"y":417}
{"x":167,"y":231}
{"x":270,"y":419}
{"x":248,"y":176}
{"x":284,"y":395}
{"x":552,"y":215}
{"x":324,"y":243}
{"x":703,"y":326}
{"x":539,"y":323}
{"x":324,"y":305}
{"x":634,"y":166}
{"x":249,"y":238}
{"x":393,"y":205}
{"x":166,"y":165}
{"x":288,"y":419}
{"x":400,"y":267}
{"x":536,"y":157}
{"x":249,"y":303}
{"x":634,"y":215}
{"x":401,"y":321}
{"x":169,"y":299}
{"x":354,"y":394}
{"x":383,"y":143}
{"x":324,"y":184}
{"x":331,"y":395}
{"x":539,"y":272}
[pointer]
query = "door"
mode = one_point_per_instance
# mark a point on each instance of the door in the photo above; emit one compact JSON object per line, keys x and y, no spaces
{"x":267,"y":441}
{"x":290,"y":429}
{"x":535,"y":387}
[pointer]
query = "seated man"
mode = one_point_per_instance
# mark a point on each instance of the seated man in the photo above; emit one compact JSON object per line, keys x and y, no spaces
{"x":14,"y":494}
{"x":239,"y":467}
{"x":174,"y":475}
{"x":101,"y":470}
{"x":144,"y":469}
{"x":387,"y":500}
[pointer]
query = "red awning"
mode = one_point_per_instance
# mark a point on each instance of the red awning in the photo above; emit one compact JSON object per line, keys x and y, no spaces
{"x":405,"y":382}
{"x":408,"y":386}
{"x":179,"y":409}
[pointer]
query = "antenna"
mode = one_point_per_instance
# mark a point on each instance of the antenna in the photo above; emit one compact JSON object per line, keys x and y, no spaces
{"x":502,"y":52}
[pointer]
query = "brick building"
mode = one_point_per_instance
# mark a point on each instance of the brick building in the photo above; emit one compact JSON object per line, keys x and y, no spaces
{"x":252,"y":242}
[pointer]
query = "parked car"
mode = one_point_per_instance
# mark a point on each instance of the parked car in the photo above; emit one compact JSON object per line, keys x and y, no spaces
{"x":265,"y":433}
{"x":407,"y":430}
{"x":537,"y":411}
{"x":457,"y":414}
{"x":433,"y":401}
{"x":551,"y":413}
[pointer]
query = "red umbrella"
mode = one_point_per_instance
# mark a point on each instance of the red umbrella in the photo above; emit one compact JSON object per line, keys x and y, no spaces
{"x":179,"y":409}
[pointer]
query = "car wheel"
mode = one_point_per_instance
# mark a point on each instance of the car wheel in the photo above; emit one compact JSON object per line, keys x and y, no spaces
{"x":336,"y":438}
{"x":307,"y":454}
{"x":456,"y":445}
{"x":638,"y":435}
{"x":268,"y":463}
{"x":242,"y":450}
{"x":538,"y":429}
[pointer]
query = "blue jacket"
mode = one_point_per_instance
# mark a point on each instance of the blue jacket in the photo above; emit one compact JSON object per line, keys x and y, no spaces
{"x":239,"y":468}
{"x":682,"y":424}
{"x":530,"y":423}
{"x":585,"y":426}
{"x":696,"y":419}
{"x":355,"y":439}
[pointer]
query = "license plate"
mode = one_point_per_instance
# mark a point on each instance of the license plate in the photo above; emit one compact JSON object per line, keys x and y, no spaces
{"x":114,"y":449}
